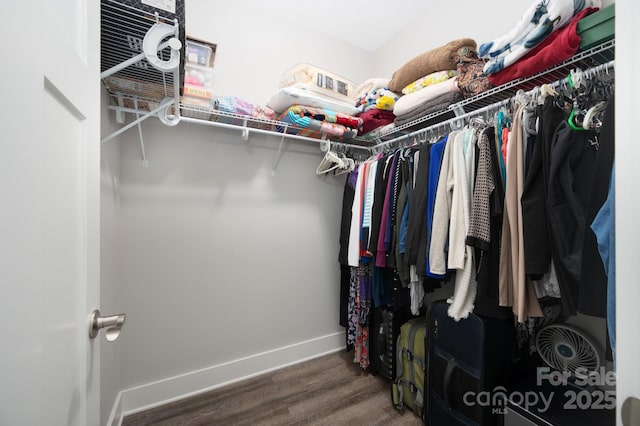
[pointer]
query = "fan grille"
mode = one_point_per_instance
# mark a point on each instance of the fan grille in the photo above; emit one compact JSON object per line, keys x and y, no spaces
{"x":566,"y":349}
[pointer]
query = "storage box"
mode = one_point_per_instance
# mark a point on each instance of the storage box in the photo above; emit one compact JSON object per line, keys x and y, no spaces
{"x":200,"y":53}
{"x":318,"y":78}
{"x":597,"y":28}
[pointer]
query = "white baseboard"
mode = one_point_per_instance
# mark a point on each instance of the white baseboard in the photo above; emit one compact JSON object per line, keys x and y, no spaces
{"x":115,"y":418}
{"x":174,"y":388}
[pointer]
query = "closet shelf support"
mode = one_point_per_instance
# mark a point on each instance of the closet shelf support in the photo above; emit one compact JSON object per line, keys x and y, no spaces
{"x":278,"y":155}
{"x":138,"y":120}
{"x":145,"y":163}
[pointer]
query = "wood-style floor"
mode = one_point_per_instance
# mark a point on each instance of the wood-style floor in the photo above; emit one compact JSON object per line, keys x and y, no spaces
{"x":330,"y":390}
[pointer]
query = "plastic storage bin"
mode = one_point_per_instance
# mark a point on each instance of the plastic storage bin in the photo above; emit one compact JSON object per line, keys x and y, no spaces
{"x":318,"y":78}
{"x":199,"y":54}
{"x":597,"y":28}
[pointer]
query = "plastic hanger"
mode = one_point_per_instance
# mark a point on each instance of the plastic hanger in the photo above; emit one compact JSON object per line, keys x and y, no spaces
{"x":329,"y":162}
{"x":591,"y":117}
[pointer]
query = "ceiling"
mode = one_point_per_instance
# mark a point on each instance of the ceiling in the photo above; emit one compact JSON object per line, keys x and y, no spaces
{"x":366,"y":24}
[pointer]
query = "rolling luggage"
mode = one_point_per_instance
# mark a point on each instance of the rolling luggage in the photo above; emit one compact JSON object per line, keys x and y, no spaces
{"x":382,"y":344}
{"x":408,"y":388}
{"x":465,"y":358}
{"x":384,"y":328}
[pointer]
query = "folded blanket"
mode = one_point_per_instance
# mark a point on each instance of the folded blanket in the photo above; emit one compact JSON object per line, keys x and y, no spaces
{"x":289,"y":96}
{"x":438,"y":59}
{"x":428,"y":80}
{"x":369,"y":86}
{"x":381,"y":98}
{"x":375,"y":118}
{"x":407,"y":103}
{"x":305,"y":125}
{"x":559,"y":46}
{"x":329,"y":116}
{"x":538,"y":22}
{"x":439,"y":103}
{"x":236,"y":105}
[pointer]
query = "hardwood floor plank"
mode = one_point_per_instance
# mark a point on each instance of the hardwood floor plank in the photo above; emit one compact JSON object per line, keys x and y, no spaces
{"x":330,"y":390}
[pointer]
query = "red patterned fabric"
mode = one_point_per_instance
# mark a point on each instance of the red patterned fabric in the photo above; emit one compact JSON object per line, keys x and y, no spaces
{"x":559,"y":46}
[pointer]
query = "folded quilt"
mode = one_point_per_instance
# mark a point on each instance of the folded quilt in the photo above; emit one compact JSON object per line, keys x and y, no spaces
{"x":438,"y":59}
{"x":437,"y":104}
{"x":234,"y":105}
{"x":559,"y":46}
{"x":539,"y":21}
{"x":381,"y":98}
{"x":428,"y":80}
{"x":312,"y":122}
{"x":374,"y":119}
{"x":369,"y":86}
{"x":407,"y":103}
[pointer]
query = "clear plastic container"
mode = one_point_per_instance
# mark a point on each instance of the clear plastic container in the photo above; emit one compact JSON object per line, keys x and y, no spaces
{"x":199,"y":54}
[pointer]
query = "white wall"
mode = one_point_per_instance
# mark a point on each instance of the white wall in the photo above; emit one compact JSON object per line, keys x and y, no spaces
{"x":220,"y":259}
{"x":110,"y":301}
{"x":256,"y":46}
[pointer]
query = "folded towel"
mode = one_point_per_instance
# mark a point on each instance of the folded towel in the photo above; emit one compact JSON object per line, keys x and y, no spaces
{"x":407,"y":103}
{"x":559,"y":46}
{"x":438,"y":59}
{"x":438,"y":103}
{"x":428,"y":80}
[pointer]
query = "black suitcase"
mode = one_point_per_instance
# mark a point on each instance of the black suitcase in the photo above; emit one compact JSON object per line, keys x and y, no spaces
{"x":382,"y":343}
{"x":465,"y":358}
{"x":384,"y":328}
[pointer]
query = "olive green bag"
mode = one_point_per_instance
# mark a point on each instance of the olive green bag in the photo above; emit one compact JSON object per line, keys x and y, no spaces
{"x":408,"y":388}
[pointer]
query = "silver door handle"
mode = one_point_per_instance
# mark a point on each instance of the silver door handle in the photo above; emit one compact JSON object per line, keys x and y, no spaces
{"x":631,"y":411}
{"x":112,"y":323}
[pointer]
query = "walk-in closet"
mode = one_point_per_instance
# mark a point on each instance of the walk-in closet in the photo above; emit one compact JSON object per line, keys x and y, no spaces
{"x":247,"y":212}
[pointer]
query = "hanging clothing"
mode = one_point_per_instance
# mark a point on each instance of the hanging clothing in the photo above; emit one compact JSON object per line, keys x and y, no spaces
{"x":416,"y":231}
{"x":604,"y":228}
{"x":485,"y":226}
{"x":442,"y":211}
{"x":535,"y":225}
{"x":573,"y":156}
{"x":515,"y":289}
{"x":435,"y":163}
{"x":356,"y":219}
{"x":593,"y":291}
{"x":461,"y":256}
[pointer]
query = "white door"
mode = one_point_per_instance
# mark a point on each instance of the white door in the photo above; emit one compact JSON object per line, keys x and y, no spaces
{"x":627,"y":208}
{"x":49,"y":212}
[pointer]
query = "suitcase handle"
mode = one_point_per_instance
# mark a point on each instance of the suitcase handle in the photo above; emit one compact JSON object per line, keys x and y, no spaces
{"x":448,"y":372}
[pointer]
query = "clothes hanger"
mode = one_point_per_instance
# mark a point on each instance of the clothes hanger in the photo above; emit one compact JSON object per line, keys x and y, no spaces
{"x":591,"y":120}
{"x":329,"y":162}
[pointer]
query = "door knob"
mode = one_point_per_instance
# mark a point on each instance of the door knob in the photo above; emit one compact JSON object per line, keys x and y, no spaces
{"x":631,"y":411}
{"x":112,"y":323}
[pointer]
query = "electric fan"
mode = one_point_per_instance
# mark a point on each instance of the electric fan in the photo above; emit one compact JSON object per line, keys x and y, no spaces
{"x":567,"y":349}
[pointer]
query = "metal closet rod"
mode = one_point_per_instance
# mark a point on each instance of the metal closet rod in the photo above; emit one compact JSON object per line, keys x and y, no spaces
{"x":590,"y":71}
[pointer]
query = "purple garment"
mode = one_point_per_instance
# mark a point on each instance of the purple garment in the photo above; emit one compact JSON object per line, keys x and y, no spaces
{"x":381,"y":254}
{"x":388,"y":236}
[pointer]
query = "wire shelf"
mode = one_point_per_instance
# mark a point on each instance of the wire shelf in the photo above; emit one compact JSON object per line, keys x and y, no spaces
{"x":124,"y":25}
{"x":589,"y":58}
